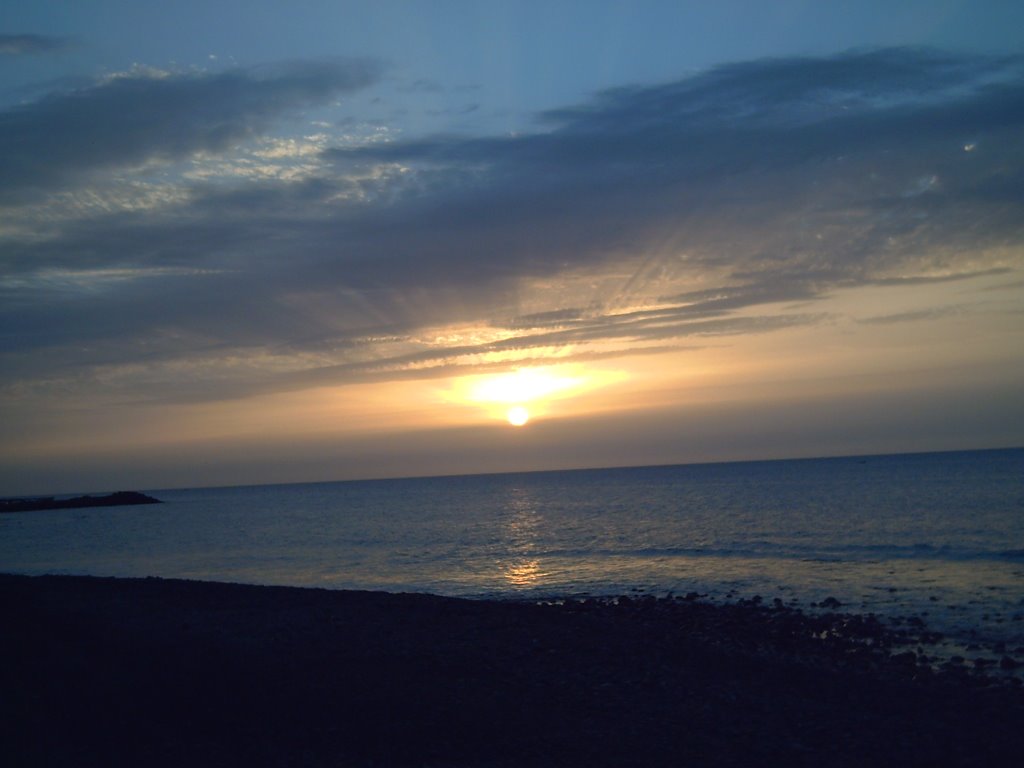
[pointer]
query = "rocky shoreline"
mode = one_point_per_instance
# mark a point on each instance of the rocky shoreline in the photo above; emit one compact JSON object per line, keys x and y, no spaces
{"x":40,"y":503}
{"x":165,"y":672}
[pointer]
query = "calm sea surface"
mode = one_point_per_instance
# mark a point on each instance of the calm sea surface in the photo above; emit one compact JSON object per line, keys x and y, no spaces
{"x":936,"y":534}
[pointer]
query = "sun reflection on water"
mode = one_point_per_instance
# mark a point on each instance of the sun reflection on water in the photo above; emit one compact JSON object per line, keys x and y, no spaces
{"x":521,"y":529}
{"x":523,"y":573}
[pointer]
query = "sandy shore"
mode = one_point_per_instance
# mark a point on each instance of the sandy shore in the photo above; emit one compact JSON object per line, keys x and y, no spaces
{"x":160,"y":673}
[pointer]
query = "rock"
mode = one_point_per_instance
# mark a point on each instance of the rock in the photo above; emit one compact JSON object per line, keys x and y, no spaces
{"x":830,"y":602}
{"x":118,"y":499}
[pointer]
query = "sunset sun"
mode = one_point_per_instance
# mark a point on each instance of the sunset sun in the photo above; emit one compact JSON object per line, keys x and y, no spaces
{"x":527,"y":394}
{"x":518,"y":416}
{"x":559,"y":369}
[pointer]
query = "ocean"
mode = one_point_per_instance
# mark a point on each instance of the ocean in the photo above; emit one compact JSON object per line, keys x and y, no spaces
{"x":940,"y":536}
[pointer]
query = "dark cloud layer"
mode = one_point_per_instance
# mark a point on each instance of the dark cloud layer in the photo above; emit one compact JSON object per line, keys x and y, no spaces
{"x":140,"y":117}
{"x":769,"y":181}
{"x":821,"y":139}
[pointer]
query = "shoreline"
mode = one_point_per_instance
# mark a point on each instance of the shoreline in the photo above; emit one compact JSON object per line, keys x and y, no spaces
{"x":169,"y":672}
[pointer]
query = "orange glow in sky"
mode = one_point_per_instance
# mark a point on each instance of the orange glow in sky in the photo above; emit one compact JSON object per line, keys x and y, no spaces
{"x":326,"y":268}
{"x":527,"y":393}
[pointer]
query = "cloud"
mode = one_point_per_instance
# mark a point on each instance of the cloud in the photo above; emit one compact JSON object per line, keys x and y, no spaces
{"x":21,"y":45}
{"x":146,"y":116}
{"x":814,"y":155}
{"x":423,"y":85}
{"x":932,"y":313}
{"x":650,"y":215}
{"x":949,"y":278}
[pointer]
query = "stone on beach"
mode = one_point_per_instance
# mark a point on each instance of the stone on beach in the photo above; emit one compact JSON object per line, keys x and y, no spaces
{"x":161,"y":673}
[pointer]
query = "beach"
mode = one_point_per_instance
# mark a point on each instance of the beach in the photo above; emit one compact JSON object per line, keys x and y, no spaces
{"x":172,"y":672}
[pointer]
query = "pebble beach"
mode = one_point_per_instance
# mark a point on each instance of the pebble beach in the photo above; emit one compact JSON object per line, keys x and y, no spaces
{"x":172,"y":672}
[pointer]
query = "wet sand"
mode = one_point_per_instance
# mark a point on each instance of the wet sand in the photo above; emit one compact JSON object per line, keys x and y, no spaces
{"x":161,"y":672}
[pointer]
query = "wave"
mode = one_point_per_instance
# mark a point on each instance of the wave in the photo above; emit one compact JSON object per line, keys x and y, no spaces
{"x":767,"y":550}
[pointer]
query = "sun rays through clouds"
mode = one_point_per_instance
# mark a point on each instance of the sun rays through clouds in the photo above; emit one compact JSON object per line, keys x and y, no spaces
{"x":397,"y":250}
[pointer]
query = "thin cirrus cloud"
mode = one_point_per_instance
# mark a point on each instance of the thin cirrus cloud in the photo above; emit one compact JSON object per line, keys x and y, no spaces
{"x":698,"y":201}
{"x":23,"y":45}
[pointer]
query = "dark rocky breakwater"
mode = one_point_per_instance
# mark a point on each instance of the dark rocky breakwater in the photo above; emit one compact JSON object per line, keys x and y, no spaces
{"x":38,"y":503}
{"x":154,"y":672}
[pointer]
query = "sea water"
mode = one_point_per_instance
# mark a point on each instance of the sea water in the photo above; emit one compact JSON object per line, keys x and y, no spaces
{"x":938,"y":535}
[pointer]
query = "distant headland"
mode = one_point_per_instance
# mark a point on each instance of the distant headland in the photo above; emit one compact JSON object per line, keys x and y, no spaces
{"x":118,"y":499}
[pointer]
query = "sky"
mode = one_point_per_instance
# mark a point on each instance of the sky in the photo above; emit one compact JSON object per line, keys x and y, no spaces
{"x":251,"y":242}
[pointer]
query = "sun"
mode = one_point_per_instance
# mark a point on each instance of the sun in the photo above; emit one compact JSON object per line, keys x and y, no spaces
{"x":525,"y":394}
{"x":518,"y":415}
